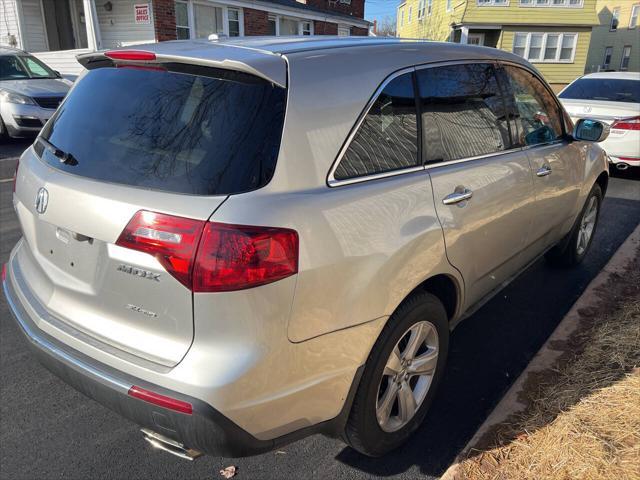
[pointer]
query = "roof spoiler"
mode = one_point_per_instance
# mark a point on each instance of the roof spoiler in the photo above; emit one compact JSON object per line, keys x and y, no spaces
{"x":267,"y":66}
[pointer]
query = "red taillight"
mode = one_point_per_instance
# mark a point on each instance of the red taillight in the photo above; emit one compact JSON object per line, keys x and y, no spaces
{"x":161,"y":400}
{"x":15,"y":175}
{"x":172,"y":240}
{"x":133,"y":55}
{"x":4,"y":272}
{"x":235,"y":257}
{"x":213,"y":257}
{"x":632,"y":123}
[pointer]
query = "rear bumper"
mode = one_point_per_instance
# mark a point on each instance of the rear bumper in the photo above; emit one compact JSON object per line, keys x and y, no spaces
{"x":630,"y":161}
{"x":205,"y":429}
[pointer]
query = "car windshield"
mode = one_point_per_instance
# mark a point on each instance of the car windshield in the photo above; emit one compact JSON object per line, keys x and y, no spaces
{"x":182,"y":133}
{"x":606,"y":89}
{"x":21,"y":67}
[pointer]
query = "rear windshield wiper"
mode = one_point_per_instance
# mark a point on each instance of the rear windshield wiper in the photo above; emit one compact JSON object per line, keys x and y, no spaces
{"x":64,"y":157}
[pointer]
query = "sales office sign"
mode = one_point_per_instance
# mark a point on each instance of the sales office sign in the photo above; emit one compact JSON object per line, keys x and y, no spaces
{"x":142,"y":13}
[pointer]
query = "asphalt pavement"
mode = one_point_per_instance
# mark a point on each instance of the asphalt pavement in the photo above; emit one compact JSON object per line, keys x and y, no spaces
{"x":48,"y":430}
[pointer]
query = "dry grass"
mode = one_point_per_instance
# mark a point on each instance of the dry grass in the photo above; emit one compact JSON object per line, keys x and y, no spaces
{"x":583,"y":417}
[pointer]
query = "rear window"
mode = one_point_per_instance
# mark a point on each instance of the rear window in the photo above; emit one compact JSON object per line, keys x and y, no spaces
{"x":608,"y":89}
{"x":175,"y":132}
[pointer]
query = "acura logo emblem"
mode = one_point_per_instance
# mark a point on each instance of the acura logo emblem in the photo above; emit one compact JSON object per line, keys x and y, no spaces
{"x":42,"y":200}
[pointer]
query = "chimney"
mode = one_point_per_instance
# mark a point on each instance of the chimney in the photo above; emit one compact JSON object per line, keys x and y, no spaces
{"x":375,"y":27}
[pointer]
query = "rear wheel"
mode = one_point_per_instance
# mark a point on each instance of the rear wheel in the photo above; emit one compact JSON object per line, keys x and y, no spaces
{"x":401,"y":376}
{"x":575,"y":247}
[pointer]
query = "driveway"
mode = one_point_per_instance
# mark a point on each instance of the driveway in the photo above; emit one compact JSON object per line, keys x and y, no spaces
{"x":48,"y":430}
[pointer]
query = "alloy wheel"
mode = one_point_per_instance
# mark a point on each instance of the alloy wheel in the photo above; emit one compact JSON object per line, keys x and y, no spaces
{"x":407,"y":376}
{"x":587,"y":225}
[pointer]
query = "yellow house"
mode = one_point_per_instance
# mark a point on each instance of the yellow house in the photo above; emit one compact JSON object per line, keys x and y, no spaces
{"x":615,"y":42}
{"x":553,"y":34}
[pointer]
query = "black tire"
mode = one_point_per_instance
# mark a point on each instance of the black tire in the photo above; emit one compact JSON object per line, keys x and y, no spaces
{"x":362,"y":431}
{"x":567,"y":252}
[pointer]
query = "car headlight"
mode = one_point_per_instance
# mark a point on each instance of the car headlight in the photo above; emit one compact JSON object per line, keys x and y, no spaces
{"x":13,"y":97}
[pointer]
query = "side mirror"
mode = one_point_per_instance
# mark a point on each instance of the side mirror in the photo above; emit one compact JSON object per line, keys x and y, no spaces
{"x":590,"y":130}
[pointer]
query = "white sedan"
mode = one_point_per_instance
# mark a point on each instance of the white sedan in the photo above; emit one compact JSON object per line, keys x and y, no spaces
{"x":613,"y":98}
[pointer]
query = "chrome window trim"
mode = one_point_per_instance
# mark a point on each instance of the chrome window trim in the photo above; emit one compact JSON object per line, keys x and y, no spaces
{"x":331,"y":180}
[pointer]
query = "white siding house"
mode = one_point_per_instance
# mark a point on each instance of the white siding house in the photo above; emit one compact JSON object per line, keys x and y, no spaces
{"x":58,"y":30}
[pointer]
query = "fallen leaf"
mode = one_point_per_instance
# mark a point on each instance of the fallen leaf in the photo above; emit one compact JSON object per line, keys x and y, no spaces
{"x":229,"y":472}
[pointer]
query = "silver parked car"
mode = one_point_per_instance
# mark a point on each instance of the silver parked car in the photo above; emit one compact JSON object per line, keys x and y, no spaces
{"x":238,"y":243}
{"x":29,"y":93}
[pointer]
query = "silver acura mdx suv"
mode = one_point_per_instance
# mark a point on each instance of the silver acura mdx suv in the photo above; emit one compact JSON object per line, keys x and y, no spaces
{"x":238,"y":243}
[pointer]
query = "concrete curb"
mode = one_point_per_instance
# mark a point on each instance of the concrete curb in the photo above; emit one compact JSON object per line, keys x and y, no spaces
{"x":547,"y":355}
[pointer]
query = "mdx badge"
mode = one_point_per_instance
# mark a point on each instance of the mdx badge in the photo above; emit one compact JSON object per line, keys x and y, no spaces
{"x":138,"y":272}
{"x":42,"y":200}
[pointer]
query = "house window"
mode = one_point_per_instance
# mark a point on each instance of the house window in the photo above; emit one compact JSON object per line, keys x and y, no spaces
{"x":615,"y":19}
{"x":553,"y":3}
{"x":626,"y":55}
{"x":402,"y":18}
{"x":520,"y":44}
{"x":606,"y":63}
{"x":306,"y":28}
{"x":545,"y":47}
{"x":288,"y":26}
{"x":410,"y":13}
{"x":421,"y":9}
{"x":493,"y":3}
{"x":635,"y":11}
{"x":272,"y":25}
{"x":182,"y":21}
{"x":551,"y":47}
{"x":208,"y":20}
{"x":429,"y":6}
{"x":234,"y":22}
{"x":279,"y":25}
{"x":344,"y":30}
{"x":449,"y":5}
{"x":202,"y":18}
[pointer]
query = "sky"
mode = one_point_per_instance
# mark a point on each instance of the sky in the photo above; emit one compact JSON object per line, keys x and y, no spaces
{"x":378,"y":9}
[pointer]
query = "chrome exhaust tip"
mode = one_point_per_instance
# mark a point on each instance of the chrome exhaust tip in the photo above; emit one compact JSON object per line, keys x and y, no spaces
{"x":621,"y":166}
{"x":168,"y":445}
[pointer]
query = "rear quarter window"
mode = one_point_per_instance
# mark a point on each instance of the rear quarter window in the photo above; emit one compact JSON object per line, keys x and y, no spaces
{"x":175,"y":132}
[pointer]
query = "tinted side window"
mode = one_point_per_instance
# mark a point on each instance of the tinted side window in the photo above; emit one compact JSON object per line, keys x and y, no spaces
{"x":462,"y":112}
{"x":538,"y":116}
{"x":387,"y":138}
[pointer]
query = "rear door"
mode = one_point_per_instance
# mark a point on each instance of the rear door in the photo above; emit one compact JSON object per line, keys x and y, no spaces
{"x":128,"y":142}
{"x":482,"y":187}
{"x":557,"y":162}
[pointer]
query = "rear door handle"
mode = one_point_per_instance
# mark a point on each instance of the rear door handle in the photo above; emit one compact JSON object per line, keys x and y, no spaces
{"x":460,"y":195}
{"x":543,"y":171}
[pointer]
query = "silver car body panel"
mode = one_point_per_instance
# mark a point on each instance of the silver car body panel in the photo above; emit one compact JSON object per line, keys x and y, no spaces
{"x":282,"y":356}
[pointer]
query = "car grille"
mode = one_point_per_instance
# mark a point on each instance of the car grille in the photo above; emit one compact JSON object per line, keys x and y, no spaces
{"x":28,"y":122}
{"x":48,"y":102}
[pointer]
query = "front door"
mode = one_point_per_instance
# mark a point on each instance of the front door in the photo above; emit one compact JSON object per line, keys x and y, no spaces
{"x":556,"y":162}
{"x":483,"y":189}
{"x":476,"y":39}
